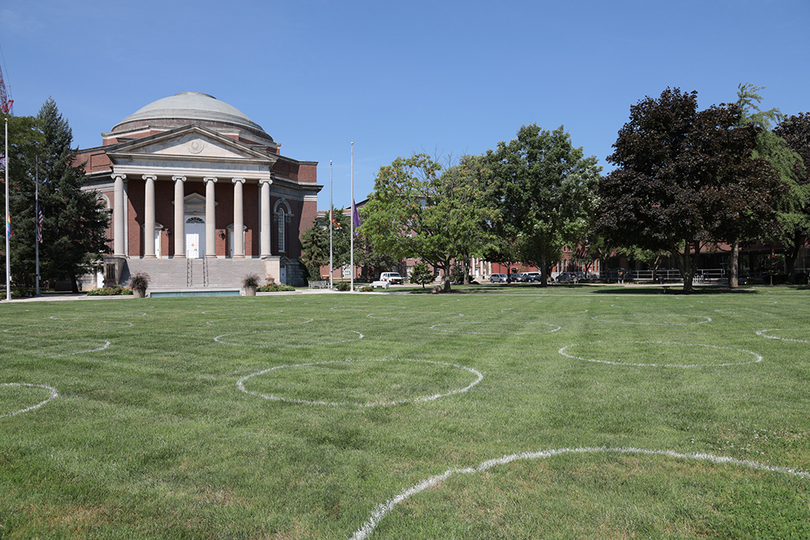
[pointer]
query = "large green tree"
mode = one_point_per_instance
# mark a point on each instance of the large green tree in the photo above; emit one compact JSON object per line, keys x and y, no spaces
{"x":24,"y":141}
{"x":794,"y":207}
{"x":75,"y":220}
{"x":787,"y":164}
{"x":416,"y":212}
{"x":684,"y":179}
{"x":545,"y":189}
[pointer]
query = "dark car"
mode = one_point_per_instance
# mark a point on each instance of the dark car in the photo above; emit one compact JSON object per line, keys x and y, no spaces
{"x":566,"y":277}
{"x":531,"y":277}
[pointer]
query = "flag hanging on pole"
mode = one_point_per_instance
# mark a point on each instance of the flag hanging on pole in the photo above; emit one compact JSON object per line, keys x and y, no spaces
{"x":40,"y":219}
{"x":9,"y":231}
{"x":355,"y":217}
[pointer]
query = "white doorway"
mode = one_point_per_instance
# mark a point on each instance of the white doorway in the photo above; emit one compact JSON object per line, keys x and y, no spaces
{"x":157,"y":243}
{"x":195,"y":238}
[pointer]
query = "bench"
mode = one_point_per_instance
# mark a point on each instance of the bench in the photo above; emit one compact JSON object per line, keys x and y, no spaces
{"x":318,"y":284}
{"x":383,"y":284}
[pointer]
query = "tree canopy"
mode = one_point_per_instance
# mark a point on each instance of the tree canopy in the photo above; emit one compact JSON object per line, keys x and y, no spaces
{"x":415,"y":211}
{"x":685,"y":178}
{"x":74,"y":221}
{"x":545,"y":188}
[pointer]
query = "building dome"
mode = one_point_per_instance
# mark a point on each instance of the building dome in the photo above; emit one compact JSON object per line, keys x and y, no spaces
{"x":190,"y":108}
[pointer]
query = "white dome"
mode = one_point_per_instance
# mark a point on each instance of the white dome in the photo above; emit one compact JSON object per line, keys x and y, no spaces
{"x":189,"y":107}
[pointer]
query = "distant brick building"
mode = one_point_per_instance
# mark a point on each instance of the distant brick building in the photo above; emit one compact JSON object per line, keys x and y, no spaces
{"x":189,"y":177}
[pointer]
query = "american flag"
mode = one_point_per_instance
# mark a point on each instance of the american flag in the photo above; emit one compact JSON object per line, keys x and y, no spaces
{"x":40,"y":219}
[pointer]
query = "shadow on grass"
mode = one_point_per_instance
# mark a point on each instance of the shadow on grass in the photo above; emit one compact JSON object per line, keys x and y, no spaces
{"x":599,"y":288}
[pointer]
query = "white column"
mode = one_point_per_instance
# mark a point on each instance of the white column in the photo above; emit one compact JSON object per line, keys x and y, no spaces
{"x":264,"y":240}
{"x":238,"y":220}
{"x":210,"y":218}
{"x":119,"y":214}
{"x":179,"y":217}
{"x":149,"y":217}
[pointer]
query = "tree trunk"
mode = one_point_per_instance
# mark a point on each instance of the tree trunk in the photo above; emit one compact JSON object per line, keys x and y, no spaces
{"x":791,"y":256}
{"x":543,"y":270}
{"x":734,"y":278}
{"x":684,"y":261}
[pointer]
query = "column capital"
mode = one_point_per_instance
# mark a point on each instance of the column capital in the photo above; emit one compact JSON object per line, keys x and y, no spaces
{"x":116,"y":176}
{"x":268,"y":181}
{"x":149,"y":177}
{"x":210,"y":179}
{"x":179,"y":177}
{"x":238,"y":180}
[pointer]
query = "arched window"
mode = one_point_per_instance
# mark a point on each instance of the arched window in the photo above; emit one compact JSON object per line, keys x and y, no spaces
{"x":282,"y":230}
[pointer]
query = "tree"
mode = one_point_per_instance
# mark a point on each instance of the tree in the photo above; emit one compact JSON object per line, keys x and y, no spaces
{"x":421,"y":274}
{"x":75,"y":220}
{"x":25,"y":138}
{"x":786,"y":163}
{"x":545,"y":190}
{"x":315,"y":243}
{"x":794,"y":207}
{"x":684,"y":179}
{"x":416,"y":212}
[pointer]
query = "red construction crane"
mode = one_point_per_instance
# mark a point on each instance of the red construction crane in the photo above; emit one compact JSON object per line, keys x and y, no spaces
{"x":5,"y":98}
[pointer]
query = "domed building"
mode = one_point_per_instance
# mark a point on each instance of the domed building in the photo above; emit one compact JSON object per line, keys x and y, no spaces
{"x":200,"y":196}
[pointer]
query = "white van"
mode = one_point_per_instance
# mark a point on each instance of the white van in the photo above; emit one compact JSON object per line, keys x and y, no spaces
{"x":391,"y":277}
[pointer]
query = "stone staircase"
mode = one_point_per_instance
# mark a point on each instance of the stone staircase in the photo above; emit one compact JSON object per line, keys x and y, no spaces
{"x":178,"y":274}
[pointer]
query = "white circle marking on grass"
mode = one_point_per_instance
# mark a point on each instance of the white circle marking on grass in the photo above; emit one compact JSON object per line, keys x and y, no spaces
{"x":757,"y":357}
{"x":54,"y":395}
{"x":382,"y":509}
{"x":764,"y":333}
{"x":706,"y":320}
{"x":103,"y":347}
{"x":240,"y":322}
{"x":240,"y":384}
{"x":219,"y":340}
{"x":554,"y":328}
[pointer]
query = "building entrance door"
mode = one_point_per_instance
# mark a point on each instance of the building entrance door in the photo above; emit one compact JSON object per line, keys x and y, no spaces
{"x":195,"y":238}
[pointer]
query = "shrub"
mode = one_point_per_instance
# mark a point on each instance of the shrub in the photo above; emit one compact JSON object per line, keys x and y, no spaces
{"x":250,"y":280}
{"x":344,"y":286}
{"x":275,"y":287}
{"x":139,"y":282}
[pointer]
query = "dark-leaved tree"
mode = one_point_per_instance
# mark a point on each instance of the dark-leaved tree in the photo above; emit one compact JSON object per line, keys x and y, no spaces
{"x":684,"y":179}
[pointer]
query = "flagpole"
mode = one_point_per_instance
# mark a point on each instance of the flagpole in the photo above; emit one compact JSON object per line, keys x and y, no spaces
{"x":351,"y":231}
{"x":8,"y":221}
{"x":37,"y":235}
{"x":331,"y":220}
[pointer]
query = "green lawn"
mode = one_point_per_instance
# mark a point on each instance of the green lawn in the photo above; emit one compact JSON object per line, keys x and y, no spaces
{"x":492,"y":412}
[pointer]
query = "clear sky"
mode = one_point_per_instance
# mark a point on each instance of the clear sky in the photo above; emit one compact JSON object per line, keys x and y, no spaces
{"x":394,"y":78}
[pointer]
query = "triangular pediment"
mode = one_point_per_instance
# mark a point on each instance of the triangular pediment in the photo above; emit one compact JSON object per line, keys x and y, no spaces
{"x":190,"y":143}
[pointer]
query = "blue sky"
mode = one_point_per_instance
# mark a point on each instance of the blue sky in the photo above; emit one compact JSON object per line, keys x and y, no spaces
{"x":447,"y":78}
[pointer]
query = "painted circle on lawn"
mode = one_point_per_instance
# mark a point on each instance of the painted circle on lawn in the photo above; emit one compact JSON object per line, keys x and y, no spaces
{"x":479,"y":328}
{"x":801,"y":331}
{"x":435,"y":481}
{"x":5,"y":386}
{"x":293,"y":336}
{"x":236,"y":321}
{"x":725,"y":356}
{"x":342,"y":363}
{"x":650,"y":319}
{"x":38,"y":345}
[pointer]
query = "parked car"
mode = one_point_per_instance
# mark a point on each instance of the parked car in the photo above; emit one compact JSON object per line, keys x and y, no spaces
{"x":498,"y":278}
{"x":566,"y":277}
{"x":520,"y":278}
{"x":531,"y":277}
{"x":391,"y":277}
